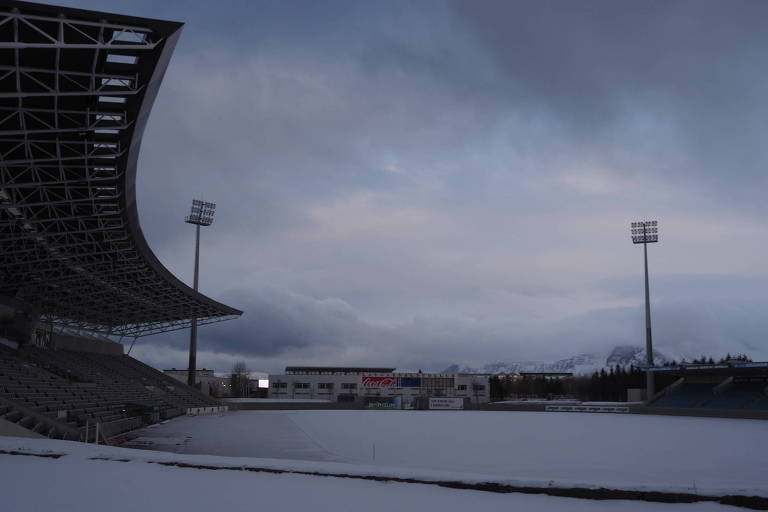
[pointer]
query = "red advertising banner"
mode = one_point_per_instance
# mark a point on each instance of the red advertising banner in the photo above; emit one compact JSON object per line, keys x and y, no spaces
{"x":379,"y":382}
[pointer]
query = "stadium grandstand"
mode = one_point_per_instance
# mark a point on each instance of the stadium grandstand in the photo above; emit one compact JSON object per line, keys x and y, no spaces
{"x":730,"y":385}
{"x":76,"y":90}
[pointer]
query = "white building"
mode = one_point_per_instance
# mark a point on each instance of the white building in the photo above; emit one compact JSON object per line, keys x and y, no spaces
{"x":345,"y":384}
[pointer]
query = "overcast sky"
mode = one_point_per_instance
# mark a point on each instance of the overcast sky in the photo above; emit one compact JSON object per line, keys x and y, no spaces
{"x":424,"y":183}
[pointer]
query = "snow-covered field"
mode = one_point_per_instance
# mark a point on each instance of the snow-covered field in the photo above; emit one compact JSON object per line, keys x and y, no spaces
{"x":709,"y":455}
{"x":704,"y":456}
{"x":524,"y":401}
{"x":78,"y":483}
{"x":275,"y":400}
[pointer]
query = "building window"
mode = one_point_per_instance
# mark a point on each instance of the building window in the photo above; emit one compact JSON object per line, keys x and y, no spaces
{"x":301,"y":385}
{"x":461,"y":387}
{"x":348,"y":385}
{"x":325,"y":385}
{"x":279,"y":385}
{"x":478,"y":387}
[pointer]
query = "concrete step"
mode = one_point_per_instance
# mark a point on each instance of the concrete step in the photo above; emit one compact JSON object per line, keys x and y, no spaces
{"x":14,"y":416}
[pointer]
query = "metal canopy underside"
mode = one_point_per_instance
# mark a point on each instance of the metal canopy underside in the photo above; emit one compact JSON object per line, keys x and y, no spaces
{"x":76,"y":89}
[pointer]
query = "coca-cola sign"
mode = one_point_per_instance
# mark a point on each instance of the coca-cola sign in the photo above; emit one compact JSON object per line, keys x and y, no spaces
{"x":379,"y":382}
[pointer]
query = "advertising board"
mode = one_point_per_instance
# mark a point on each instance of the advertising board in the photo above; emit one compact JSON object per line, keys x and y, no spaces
{"x":383,"y":402}
{"x":410,"y":382}
{"x":446,"y":403}
{"x":379,"y":382}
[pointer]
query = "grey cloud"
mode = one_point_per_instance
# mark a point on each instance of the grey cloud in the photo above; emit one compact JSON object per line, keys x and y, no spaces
{"x":678,"y":287}
{"x":458,"y":176}
{"x":689,"y":66}
{"x":277,"y":323}
{"x":285,"y":329}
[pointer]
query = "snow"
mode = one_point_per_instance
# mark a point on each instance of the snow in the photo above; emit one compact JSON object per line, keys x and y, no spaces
{"x":534,"y":401}
{"x":582,"y":364}
{"x":275,"y":400}
{"x":680,"y":454}
{"x":612,"y":404}
{"x":75,"y":483}
{"x":705,"y":456}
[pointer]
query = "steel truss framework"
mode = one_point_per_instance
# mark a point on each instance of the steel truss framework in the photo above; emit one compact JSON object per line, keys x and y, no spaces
{"x":76,"y":88}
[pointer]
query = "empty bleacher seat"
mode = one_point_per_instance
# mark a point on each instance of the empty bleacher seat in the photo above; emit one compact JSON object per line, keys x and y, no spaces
{"x":686,"y":395}
{"x":736,"y":396}
{"x":116,"y":390}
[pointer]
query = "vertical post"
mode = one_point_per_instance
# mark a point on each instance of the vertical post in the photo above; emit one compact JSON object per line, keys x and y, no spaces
{"x":193,"y":331}
{"x":647,"y":232}
{"x":201,"y":214}
{"x":649,"y":384}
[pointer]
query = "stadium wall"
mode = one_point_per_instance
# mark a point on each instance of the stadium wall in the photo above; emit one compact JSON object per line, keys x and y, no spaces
{"x":702,"y":413}
{"x":296,"y":405}
{"x":634,"y":409}
{"x":17,"y":320}
{"x":13,"y":430}
{"x":62,"y":341}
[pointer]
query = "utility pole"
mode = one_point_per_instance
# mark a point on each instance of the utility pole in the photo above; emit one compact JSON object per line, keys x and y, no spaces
{"x":200,"y":215}
{"x":647,"y":232}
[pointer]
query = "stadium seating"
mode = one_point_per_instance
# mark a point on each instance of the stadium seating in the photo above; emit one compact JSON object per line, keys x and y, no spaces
{"x":56,"y":392}
{"x":759,"y":404}
{"x":686,"y":395}
{"x":737,"y":395}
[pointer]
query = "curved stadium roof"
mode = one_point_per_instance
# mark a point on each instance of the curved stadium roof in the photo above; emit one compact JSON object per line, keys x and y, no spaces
{"x":76,"y":89}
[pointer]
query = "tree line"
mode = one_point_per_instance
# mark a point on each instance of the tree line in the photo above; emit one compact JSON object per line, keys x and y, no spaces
{"x":609,"y":385}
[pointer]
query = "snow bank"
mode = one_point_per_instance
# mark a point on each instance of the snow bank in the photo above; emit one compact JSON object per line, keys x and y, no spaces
{"x":92,"y":478}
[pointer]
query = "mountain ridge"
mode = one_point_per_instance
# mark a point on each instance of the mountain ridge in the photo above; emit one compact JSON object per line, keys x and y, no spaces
{"x":581,"y":364}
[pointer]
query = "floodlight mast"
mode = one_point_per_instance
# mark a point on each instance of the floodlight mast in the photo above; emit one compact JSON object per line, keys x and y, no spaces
{"x":201,"y":214}
{"x":647,"y":232}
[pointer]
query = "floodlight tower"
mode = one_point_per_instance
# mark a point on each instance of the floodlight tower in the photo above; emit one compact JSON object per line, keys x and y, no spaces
{"x":647,"y":232}
{"x":200,"y":215}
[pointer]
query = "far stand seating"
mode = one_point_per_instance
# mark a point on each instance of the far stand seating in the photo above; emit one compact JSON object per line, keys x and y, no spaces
{"x":737,"y":396}
{"x":686,"y":395}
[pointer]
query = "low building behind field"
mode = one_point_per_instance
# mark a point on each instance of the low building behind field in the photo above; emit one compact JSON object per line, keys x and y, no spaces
{"x":220,"y":385}
{"x":207,"y":381}
{"x":350,"y":384}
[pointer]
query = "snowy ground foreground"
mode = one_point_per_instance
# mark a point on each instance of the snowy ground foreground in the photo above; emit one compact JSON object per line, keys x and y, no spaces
{"x":76,"y":483}
{"x":612,"y":404}
{"x":566,"y":402}
{"x":675,"y":454}
{"x":275,"y":400}
{"x":534,"y":401}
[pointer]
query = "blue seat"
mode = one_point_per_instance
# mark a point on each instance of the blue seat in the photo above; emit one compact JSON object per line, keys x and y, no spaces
{"x":685,"y":395}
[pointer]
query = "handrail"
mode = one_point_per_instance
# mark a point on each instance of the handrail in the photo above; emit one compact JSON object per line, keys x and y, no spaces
{"x":665,"y":391}
{"x":723,"y":385}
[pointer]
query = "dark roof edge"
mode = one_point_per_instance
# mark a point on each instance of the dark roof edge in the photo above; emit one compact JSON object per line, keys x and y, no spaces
{"x":132,"y":213}
{"x":161,"y":26}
